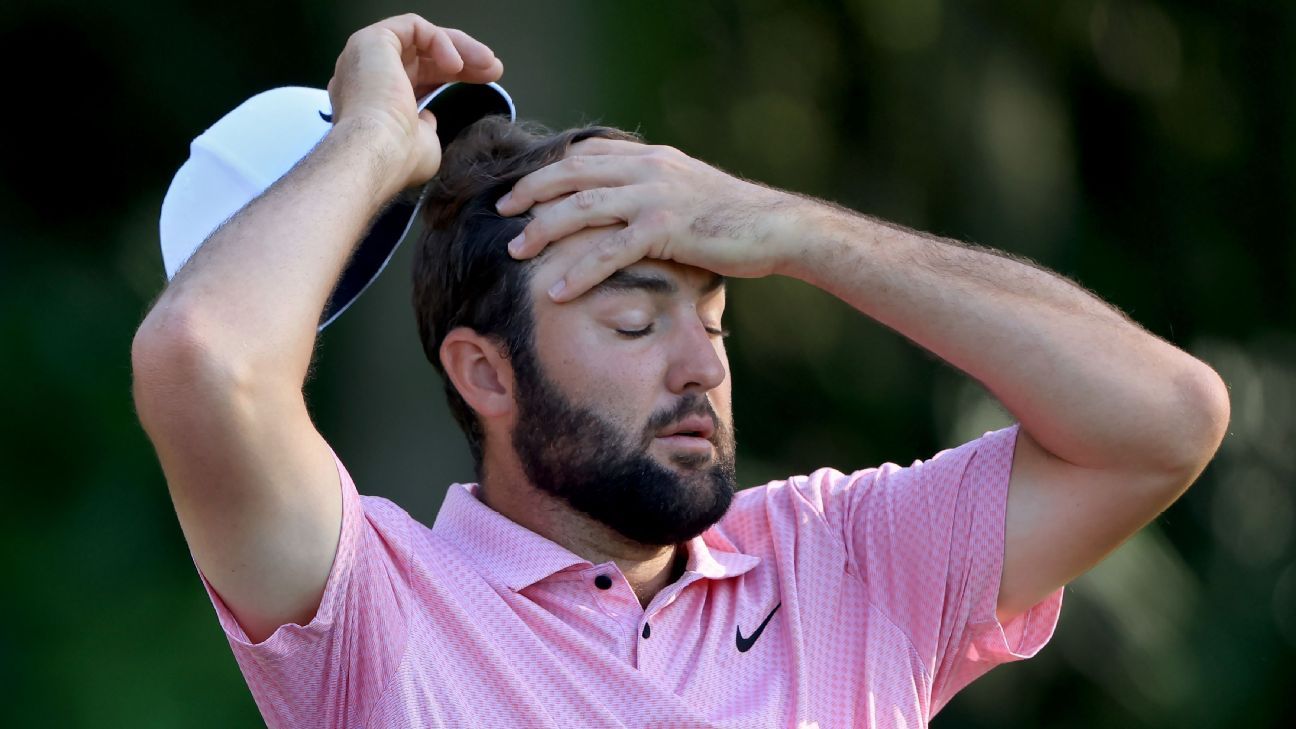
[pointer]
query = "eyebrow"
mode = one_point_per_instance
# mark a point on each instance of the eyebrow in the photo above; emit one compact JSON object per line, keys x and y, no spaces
{"x":624,"y":280}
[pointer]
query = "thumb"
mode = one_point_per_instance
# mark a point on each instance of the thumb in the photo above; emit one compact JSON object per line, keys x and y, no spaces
{"x":429,"y":119}
{"x":427,"y":130}
{"x":429,"y":145}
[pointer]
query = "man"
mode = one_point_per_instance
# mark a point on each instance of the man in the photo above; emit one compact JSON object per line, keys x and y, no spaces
{"x":604,"y":572}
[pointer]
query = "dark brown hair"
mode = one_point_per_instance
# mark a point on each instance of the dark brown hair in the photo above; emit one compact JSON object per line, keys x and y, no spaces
{"x":463,"y":274}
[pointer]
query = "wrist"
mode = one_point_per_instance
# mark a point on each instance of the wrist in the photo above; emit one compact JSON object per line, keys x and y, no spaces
{"x":788,"y":219}
{"x":811,"y":235}
{"x":384,"y":154}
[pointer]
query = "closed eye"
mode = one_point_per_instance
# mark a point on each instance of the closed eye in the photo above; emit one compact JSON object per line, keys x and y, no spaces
{"x":635,"y":333}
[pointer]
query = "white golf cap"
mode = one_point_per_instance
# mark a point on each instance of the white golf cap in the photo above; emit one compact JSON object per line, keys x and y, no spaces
{"x":254,"y":145}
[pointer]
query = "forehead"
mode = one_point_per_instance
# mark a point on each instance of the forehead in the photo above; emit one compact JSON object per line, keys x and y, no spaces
{"x":662,"y":278}
{"x":564,"y":253}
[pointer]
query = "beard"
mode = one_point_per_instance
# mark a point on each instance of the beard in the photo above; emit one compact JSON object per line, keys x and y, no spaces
{"x":606,"y":473}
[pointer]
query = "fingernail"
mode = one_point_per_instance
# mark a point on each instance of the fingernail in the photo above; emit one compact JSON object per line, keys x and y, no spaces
{"x":499,"y":204}
{"x":515,"y":245}
{"x":557,"y":289}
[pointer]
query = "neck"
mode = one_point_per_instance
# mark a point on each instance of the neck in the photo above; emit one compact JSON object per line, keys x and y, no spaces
{"x":647,"y":568}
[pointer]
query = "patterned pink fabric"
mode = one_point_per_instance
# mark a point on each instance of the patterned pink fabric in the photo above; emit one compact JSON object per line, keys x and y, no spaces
{"x":884,"y":580}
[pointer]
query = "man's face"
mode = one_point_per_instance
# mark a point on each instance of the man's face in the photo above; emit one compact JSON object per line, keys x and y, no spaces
{"x":626,"y":413}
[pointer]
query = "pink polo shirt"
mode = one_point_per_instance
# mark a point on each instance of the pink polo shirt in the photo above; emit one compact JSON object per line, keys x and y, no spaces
{"x":829,"y":600}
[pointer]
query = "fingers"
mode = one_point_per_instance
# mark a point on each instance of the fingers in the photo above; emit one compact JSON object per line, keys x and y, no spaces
{"x":420,"y":39}
{"x":591,"y":208}
{"x":565,"y":176}
{"x":433,"y":55}
{"x":603,"y":145}
{"x":480,"y":63}
{"x":610,"y":254}
{"x":590,"y":163}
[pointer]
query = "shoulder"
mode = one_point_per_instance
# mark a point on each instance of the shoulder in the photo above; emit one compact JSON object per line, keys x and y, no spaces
{"x":430,"y":551}
{"x":828,"y":491}
{"x":396,"y":531}
{"x":838,"y":501}
{"x":812,"y":494}
{"x":385,"y":513}
{"x":795,"y":509}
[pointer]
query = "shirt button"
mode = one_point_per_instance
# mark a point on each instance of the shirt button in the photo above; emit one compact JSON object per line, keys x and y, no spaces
{"x":647,"y":631}
{"x":603,"y":582}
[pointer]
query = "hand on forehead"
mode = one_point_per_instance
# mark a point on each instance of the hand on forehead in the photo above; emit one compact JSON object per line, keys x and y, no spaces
{"x":620,"y":202}
{"x":560,"y":255}
{"x":589,"y":163}
{"x":552,"y":263}
{"x":558,"y":197}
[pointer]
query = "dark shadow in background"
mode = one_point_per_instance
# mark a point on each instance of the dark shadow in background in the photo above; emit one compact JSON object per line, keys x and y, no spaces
{"x":1145,"y":149}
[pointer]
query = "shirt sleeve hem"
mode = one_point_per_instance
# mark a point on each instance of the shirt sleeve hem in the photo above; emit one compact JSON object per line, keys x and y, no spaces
{"x":287,"y":636}
{"x":1024,"y":635}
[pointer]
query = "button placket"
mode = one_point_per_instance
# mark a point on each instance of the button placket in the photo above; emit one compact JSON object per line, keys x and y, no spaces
{"x":649,"y":643}
{"x":613,"y":597}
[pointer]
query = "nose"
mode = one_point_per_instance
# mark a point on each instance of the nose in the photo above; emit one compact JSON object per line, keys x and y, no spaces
{"x":696,"y":360}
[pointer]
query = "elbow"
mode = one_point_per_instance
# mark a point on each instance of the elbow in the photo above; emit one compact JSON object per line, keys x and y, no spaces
{"x":167,"y":331}
{"x":174,"y":366}
{"x":168,"y":346}
{"x":1203,"y":412}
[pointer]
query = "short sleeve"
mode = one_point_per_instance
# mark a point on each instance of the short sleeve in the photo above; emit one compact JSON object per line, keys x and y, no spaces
{"x":929,"y":542}
{"x":330,"y":672}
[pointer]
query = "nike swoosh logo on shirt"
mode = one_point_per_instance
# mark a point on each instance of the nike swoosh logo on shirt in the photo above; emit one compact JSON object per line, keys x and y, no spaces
{"x":745,"y":644}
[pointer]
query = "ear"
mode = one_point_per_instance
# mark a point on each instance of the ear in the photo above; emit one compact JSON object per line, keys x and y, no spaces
{"x":479,"y":370}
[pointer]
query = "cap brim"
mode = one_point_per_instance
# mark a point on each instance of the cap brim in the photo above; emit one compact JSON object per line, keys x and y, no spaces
{"x":456,"y":107}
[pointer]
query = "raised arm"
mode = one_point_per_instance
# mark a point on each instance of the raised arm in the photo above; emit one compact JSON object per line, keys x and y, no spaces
{"x":220,"y":361}
{"x":1115,"y":422}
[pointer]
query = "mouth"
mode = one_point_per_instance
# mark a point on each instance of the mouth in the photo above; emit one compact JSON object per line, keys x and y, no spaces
{"x":694,"y":426}
{"x":693,"y":433}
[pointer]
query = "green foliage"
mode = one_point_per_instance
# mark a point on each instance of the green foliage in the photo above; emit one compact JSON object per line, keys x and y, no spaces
{"x":1144,"y":149}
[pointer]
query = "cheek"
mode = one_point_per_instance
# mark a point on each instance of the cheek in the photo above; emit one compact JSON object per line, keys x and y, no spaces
{"x":618,"y":379}
{"x":722,"y":397}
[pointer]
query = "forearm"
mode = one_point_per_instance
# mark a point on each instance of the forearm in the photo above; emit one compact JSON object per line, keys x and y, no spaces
{"x":254,"y":291}
{"x":1089,"y":385}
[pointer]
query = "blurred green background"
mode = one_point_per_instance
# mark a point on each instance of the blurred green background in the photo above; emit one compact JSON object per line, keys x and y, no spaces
{"x":1146,"y":149}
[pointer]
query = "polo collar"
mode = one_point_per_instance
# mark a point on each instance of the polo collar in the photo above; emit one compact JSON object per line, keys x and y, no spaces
{"x":519,"y":558}
{"x":717,"y":564}
{"x":501,"y":548}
